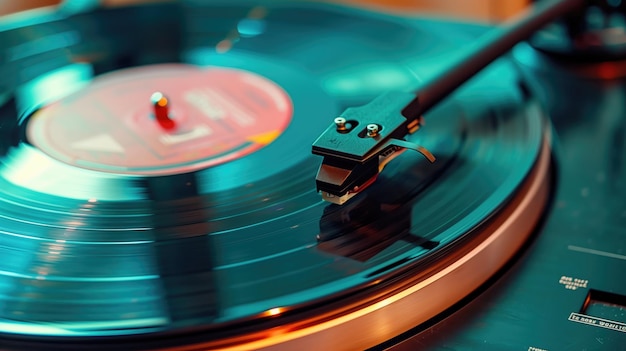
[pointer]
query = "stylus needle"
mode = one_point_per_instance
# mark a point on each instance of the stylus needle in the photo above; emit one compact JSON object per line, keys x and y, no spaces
{"x":363,"y":139}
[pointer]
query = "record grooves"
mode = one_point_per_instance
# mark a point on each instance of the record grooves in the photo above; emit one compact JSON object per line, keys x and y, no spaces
{"x":116,"y":231}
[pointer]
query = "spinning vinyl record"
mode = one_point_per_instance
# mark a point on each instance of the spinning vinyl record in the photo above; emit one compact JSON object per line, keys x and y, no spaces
{"x":158,"y":187}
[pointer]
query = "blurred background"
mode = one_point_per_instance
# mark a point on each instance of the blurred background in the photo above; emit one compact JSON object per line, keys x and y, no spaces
{"x":474,"y":10}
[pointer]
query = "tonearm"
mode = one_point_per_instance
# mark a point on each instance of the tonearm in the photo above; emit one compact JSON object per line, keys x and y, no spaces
{"x":362,"y":140}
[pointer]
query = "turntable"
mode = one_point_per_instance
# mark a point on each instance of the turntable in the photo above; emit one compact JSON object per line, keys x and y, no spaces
{"x":246,"y":175}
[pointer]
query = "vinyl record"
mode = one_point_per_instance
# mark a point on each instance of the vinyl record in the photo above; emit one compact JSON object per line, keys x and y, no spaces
{"x":210,"y":232}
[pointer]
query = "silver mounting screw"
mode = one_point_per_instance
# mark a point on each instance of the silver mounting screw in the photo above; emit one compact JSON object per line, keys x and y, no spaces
{"x":372,"y":130}
{"x":340,"y":122}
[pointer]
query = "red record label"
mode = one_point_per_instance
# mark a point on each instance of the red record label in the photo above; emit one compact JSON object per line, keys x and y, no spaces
{"x":212,"y":115}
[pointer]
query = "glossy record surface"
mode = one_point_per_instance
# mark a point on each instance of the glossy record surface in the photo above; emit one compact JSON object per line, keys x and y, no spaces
{"x":100,"y":254}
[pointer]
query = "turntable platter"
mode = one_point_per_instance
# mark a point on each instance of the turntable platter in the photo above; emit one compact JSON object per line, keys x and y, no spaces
{"x":241,"y":251}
